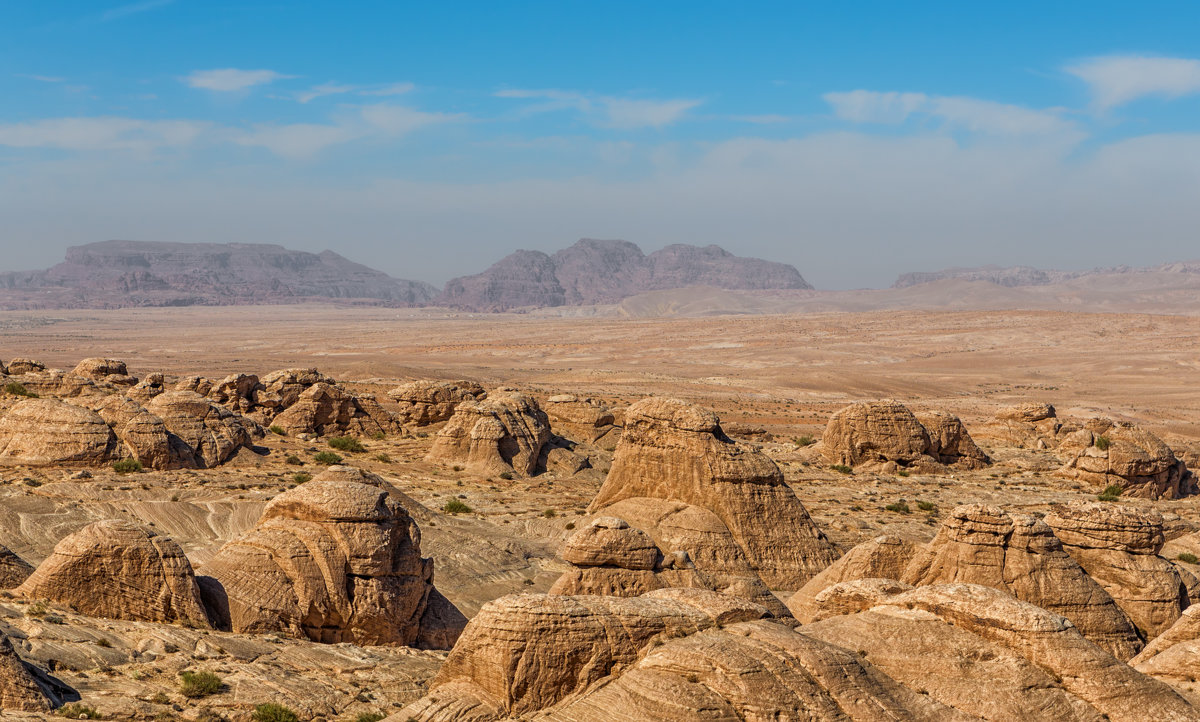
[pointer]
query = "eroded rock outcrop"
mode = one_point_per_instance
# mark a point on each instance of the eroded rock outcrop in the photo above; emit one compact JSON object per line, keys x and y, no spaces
{"x":949,"y":441}
{"x":327,"y":409}
{"x":201,"y":430}
{"x":120,"y":570}
{"x":13,"y":570}
{"x":672,"y":451}
{"x":19,"y":366}
{"x":337,"y":559}
{"x":429,"y":402}
{"x":888,"y":433}
{"x":143,"y":435}
{"x":41,"y":432}
{"x":1029,"y":425}
{"x":884,"y":557}
{"x":105,"y":369}
{"x":583,"y":419}
{"x":18,"y":689}
{"x":1105,"y":453}
{"x":503,"y":433}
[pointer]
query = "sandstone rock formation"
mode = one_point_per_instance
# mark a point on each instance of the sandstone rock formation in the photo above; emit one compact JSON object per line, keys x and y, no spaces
{"x":672,"y":451}
{"x":583,"y":419}
{"x":887,"y":432}
{"x":1118,"y":546}
{"x":18,"y":689}
{"x":1174,"y":655}
{"x":1105,"y":452}
{"x":327,"y":409}
{"x":949,"y":441}
{"x":13,"y":570}
{"x":286,"y":385}
{"x":333,"y":560}
{"x":503,"y":433}
{"x":149,"y":387}
{"x":201,"y":430}
{"x":981,"y":544}
{"x":19,"y":366}
{"x":1030,"y":425}
{"x":143,"y":435}
{"x":120,"y":570}
{"x":884,"y":557}
{"x":55,"y":382}
{"x":429,"y":402}
{"x":105,"y":369}
{"x":40,"y":432}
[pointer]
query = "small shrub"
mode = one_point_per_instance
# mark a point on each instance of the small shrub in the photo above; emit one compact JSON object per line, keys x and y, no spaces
{"x":300,"y":477}
{"x":549,"y":513}
{"x":37,"y":609}
{"x":506,"y":475}
{"x":456,"y":467}
{"x":379,"y":436}
{"x":1188,"y":557}
{"x":803,"y":440}
{"x":328,"y":458}
{"x":348,"y":444}
{"x":904,"y":473}
{"x":127,"y":466}
{"x":103,"y":642}
{"x":32,"y":482}
{"x":199,"y":684}
{"x":293,"y":460}
{"x":78,"y":710}
{"x":271,"y":712}
{"x":1110,"y":493}
{"x":926,"y":505}
{"x":454,"y":506}
{"x":422,"y":434}
{"x":384,"y":458}
{"x":570,"y":525}
{"x":842,"y":469}
{"x":369,"y":717}
{"x":55,"y":619}
{"x":16,"y":389}
{"x":276,"y":429}
{"x":1102,"y":443}
{"x":899,"y":507}
{"x":160,"y":698}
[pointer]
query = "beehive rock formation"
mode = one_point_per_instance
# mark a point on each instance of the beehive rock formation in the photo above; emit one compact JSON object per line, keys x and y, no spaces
{"x":152,"y":385}
{"x":503,"y":433}
{"x":673,"y":451}
{"x":949,"y":441}
{"x":1105,"y":452}
{"x":988,"y":655}
{"x":583,"y":419}
{"x":57,"y":383}
{"x":210,"y":434}
{"x":104,"y":369}
{"x":1118,"y":546}
{"x":143,"y":435}
{"x":1030,"y":425}
{"x":887,"y":432}
{"x":327,"y":409}
{"x":884,"y":557}
{"x":19,"y":366}
{"x":429,"y":402}
{"x":981,"y":544}
{"x":120,"y":570}
{"x":41,"y":432}
{"x":13,"y":569}
{"x":332,"y":560}
{"x":286,"y":385}
{"x":18,"y":689}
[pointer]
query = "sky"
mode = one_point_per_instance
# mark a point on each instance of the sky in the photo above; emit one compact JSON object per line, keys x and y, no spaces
{"x":854,"y":140}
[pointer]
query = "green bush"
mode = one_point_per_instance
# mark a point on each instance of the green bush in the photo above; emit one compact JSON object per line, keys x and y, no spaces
{"x":271,"y":712}
{"x":78,"y":710}
{"x":369,"y":717}
{"x":1110,"y":493}
{"x":274,"y":429}
{"x":383,"y":458}
{"x":506,"y":475}
{"x":842,"y":469}
{"x":803,"y":440}
{"x":926,"y":505}
{"x":1102,"y":443}
{"x":1188,"y":557}
{"x":904,"y":472}
{"x":348,"y":444}
{"x":16,"y":389}
{"x":199,"y":684}
{"x":328,"y":458}
{"x":127,"y":466}
{"x":454,"y":506}
{"x":293,"y":460}
{"x":549,"y":513}
{"x":899,"y":507}
{"x":300,"y":477}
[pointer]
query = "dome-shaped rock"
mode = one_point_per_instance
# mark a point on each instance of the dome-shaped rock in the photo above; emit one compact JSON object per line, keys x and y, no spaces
{"x":503,"y":433}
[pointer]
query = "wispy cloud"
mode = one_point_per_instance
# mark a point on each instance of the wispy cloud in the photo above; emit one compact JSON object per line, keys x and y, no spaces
{"x":133,"y":9}
{"x":42,"y":78}
{"x":303,"y":140}
{"x":102,"y":133}
{"x":765,"y":119}
{"x":227,"y":80}
{"x":1119,"y":79}
{"x":393,"y":89}
{"x":958,"y":112}
{"x":320,"y":91}
{"x":607,"y":111}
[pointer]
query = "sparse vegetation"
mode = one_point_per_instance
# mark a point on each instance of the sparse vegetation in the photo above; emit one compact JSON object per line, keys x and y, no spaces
{"x":506,"y":475}
{"x":570,"y":525}
{"x":454,"y":506}
{"x":1188,"y":558}
{"x":199,"y":684}
{"x":383,"y":458}
{"x":328,"y":458}
{"x":300,"y":477}
{"x":926,"y":505}
{"x":1102,"y":443}
{"x":1110,"y":493}
{"x":841,"y":469}
{"x":16,"y":389}
{"x":348,"y":444}
{"x":379,"y":436}
{"x":803,"y":440}
{"x":899,"y":507}
{"x":127,"y":466}
{"x":274,"y":429}
{"x":369,"y":717}
{"x":549,"y":513}
{"x":78,"y":710}
{"x":904,"y":473}
{"x":103,"y":642}
{"x":272,"y":712}
{"x":293,"y":460}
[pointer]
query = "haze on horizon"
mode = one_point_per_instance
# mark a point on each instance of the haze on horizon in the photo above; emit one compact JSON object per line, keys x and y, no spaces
{"x":855,"y":142}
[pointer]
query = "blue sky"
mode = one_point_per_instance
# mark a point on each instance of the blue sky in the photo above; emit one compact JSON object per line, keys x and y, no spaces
{"x":853,"y":140}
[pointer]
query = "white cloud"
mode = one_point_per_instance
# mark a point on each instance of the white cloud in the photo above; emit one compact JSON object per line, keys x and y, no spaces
{"x":227,"y":80}
{"x":303,"y":140}
{"x":607,"y":111}
{"x":393,"y":89}
{"x":103,"y":133}
{"x":764,"y":119}
{"x":320,"y":91}
{"x":956,"y":112}
{"x":1118,"y":79}
{"x":42,"y":78}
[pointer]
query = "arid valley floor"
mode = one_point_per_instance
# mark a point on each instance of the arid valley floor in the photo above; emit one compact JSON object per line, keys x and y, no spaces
{"x":775,"y":381}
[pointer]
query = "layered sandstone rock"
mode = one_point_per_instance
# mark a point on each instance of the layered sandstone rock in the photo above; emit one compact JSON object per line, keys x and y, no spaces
{"x":236,"y":392}
{"x":1174,"y":655}
{"x":41,"y":432}
{"x":1106,"y":452}
{"x":981,"y":544}
{"x":1118,"y":546}
{"x":583,"y":419}
{"x":13,"y":569}
{"x":287,"y":384}
{"x":55,"y":382}
{"x":848,"y":597}
{"x":149,"y":387}
{"x":19,"y":366}
{"x":120,"y":570}
{"x":210,"y":434}
{"x":105,"y":369}
{"x":949,"y":441}
{"x":876,"y":432}
{"x":673,"y":451}
{"x":884,"y":557}
{"x":429,"y":402}
{"x":333,"y":560}
{"x":143,"y":435}
{"x":18,"y":689}
{"x":503,"y":433}
{"x":327,"y":409}
{"x":988,"y":655}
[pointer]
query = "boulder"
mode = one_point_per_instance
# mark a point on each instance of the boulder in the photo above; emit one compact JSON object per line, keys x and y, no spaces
{"x":949,"y":441}
{"x":1109,"y":453}
{"x":143,"y":435}
{"x":195,"y":384}
{"x":1118,"y":546}
{"x":327,"y":409}
{"x":285,"y":386}
{"x":429,"y":402}
{"x":235,"y":392}
{"x":203,"y":432}
{"x":120,"y":570}
{"x":583,"y":419}
{"x":884,"y":557}
{"x":42,"y":432}
{"x":99,"y":369}
{"x":55,"y":382}
{"x":980,"y":544}
{"x":503,"y":433}
{"x":149,"y":387}
{"x":19,"y":366}
{"x":674,"y":451}
{"x":876,"y":432}
{"x":336,"y":559}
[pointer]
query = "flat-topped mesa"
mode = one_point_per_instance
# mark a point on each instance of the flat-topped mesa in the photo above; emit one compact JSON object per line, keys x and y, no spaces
{"x":428,"y":402}
{"x":1106,"y":453}
{"x":120,"y":570}
{"x":1118,"y":546}
{"x":888,"y":433}
{"x":336,"y":559}
{"x":673,"y":451}
{"x":980,"y":544}
{"x":503,"y":433}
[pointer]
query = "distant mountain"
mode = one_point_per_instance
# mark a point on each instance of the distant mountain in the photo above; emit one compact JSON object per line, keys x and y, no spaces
{"x":1019,"y":276}
{"x":114,"y":274}
{"x":605,"y":272}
